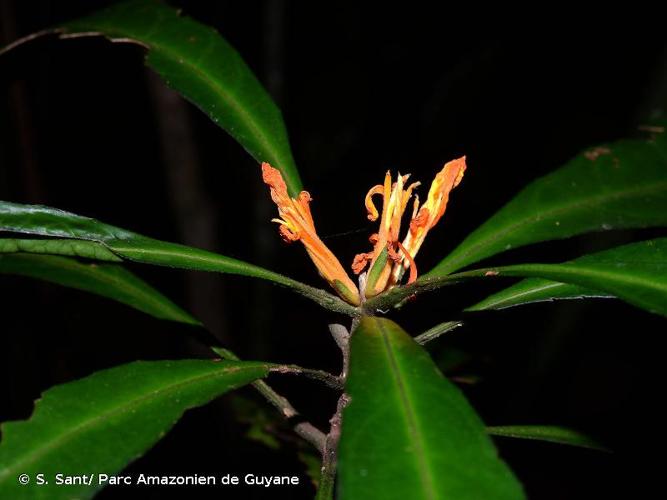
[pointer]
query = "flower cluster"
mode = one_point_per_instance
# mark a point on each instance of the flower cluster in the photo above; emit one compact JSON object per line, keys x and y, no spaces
{"x":390,"y":257}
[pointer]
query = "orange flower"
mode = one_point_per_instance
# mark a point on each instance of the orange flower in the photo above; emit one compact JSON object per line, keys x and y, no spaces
{"x":385,"y":250}
{"x":390,"y":258}
{"x":296,"y":223}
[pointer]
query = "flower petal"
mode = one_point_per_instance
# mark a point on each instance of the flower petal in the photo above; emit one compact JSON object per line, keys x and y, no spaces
{"x":428,"y":215}
{"x":296,"y":223}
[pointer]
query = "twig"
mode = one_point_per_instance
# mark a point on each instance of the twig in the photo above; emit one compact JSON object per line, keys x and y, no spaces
{"x":325,"y":491}
{"x":304,"y":429}
{"x":330,"y":456}
{"x":323,"y":376}
{"x":342,"y":337}
{"x":322,"y":297}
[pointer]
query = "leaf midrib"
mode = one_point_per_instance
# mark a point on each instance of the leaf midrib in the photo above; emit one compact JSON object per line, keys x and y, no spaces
{"x":130,"y":287}
{"x":544,"y":287}
{"x":114,"y":244}
{"x":411,"y":419}
{"x":226,"y":96}
{"x":73,"y":431}
{"x":580,"y":270}
{"x":529,"y":291}
{"x":230,"y":98}
{"x":103,"y":276}
{"x":556,"y":210}
{"x":67,"y":246}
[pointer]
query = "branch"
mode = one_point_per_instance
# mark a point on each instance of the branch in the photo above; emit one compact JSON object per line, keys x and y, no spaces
{"x":327,"y":378}
{"x":304,"y":429}
{"x":342,"y":337}
{"x":325,"y":491}
{"x":330,"y":455}
{"x":323,"y":298}
{"x":399,"y":294}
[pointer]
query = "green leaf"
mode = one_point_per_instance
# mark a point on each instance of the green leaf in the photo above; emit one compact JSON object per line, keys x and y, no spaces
{"x":550,"y":433}
{"x":73,"y":248}
{"x":108,"y":280}
{"x":196,"y":61}
{"x":408,"y":432}
{"x":436,"y":331}
{"x":102,"y":422}
{"x":620,"y":186}
{"x":109,"y":241}
{"x":533,"y":290}
{"x":636,"y":273}
{"x":54,"y":223}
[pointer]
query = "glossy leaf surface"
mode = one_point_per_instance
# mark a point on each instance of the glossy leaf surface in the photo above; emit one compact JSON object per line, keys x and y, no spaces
{"x":73,"y":248}
{"x":533,"y":290}
{"x":636,"y":273}
{"x":408,"y":432}
{"x":53,"y":223}
{"x":196,"y":61}
{"x":620,"y":186}
{"x":102,"y":422}
{"x":107,"y":280}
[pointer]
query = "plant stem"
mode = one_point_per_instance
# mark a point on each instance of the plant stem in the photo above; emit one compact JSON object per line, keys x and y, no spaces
{"x":325,"y":491}
{"x":322,"y":297}
{"x":303,"y":428}
{"x":342,"y":337}
{"x":330,"y":455}
{"x":323,"y":376}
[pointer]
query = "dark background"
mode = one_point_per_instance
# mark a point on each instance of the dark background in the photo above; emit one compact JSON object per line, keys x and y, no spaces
{"x":86,"y":128}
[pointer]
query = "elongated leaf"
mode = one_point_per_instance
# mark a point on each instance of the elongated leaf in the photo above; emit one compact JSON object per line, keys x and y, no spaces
{"x":74,"y":248}
{"x":108,"y":280}
{"x":636,"y":273}
{"x":408,"y":432}
{"x":623,"y":185}
{"x":101,"y":423}
{"x":197,"y":62}
{"x":438,"y":330}
{"x":550,"y":433}
{"x":109,"y":241}
{"x":533,"y":290}
{"x":51,"y":222}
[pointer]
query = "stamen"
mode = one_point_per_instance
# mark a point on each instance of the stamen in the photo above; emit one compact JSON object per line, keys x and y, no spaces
{"x":370,"y":206}
{"x":413,"y":267}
